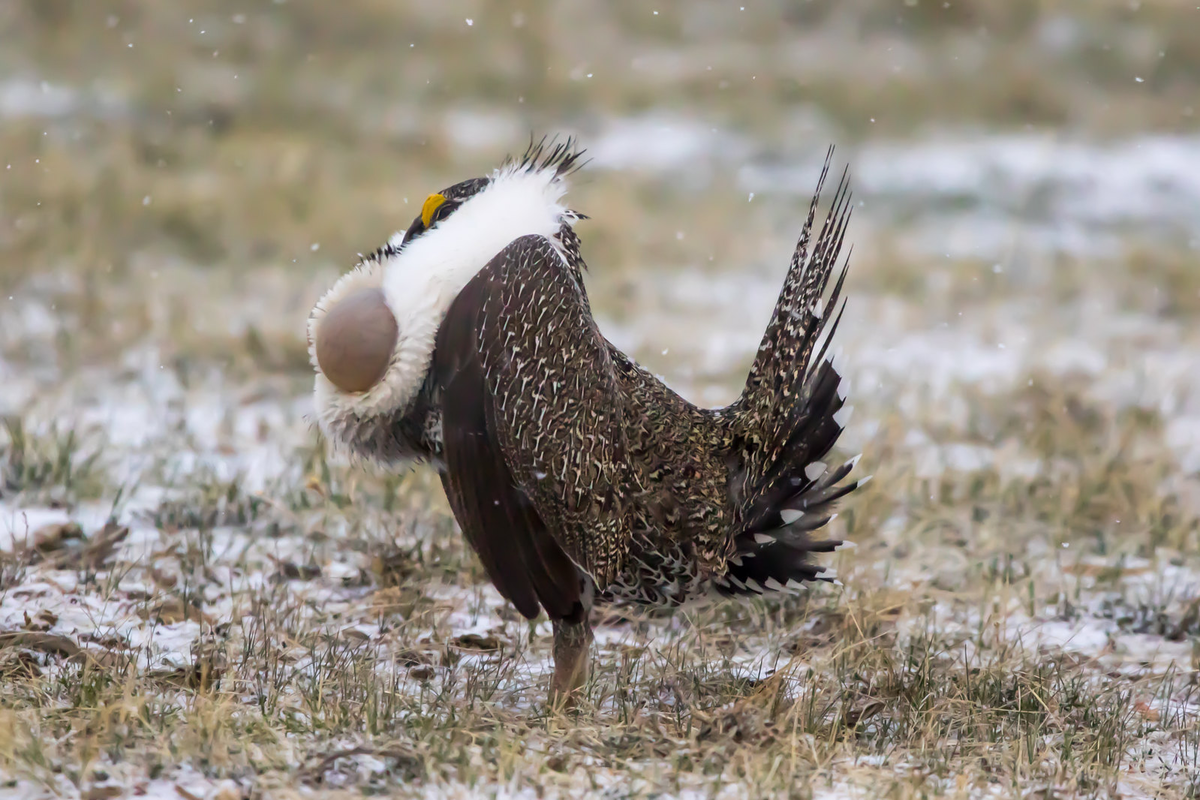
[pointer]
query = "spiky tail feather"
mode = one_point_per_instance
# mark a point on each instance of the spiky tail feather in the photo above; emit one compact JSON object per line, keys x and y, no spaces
{"x":789,"y":417}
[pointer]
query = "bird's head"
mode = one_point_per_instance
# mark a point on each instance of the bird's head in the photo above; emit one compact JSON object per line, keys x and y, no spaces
{"x":371,"y":336}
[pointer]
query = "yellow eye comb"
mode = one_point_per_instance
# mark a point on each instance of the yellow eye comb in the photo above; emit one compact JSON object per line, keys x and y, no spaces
{"x":430,"y":207}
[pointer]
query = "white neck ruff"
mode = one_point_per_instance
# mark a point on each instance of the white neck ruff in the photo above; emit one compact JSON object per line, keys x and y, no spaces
{"x":421,"y":281}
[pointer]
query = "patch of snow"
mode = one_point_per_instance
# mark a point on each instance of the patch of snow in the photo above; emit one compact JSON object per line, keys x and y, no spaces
{"x":664,"y":144}
{"x":1183,"y":436}
{"x":18,"y":525}
{"x":481,"y":130}
{"x":29,"y":98}
{"x":984,"y":194}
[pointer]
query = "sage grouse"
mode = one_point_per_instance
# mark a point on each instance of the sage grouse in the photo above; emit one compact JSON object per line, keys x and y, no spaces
{"x":576,"y":476}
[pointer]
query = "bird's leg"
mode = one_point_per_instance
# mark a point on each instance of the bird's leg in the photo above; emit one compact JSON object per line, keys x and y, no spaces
{"x":571,"y":662}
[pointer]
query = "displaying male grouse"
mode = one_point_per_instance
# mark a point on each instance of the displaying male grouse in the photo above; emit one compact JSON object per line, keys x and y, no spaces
{"x":577,"y":476}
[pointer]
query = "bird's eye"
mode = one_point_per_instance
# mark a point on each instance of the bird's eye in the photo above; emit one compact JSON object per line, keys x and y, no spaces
{"x":443,"y":211}
{"x":435,"y":208}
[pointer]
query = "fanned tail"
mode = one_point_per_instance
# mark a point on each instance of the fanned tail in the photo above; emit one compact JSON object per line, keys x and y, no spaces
{"x":790,"y":415}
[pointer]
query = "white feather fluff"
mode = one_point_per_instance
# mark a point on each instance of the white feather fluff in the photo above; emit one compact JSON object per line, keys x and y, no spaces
{"x":422,"y":280}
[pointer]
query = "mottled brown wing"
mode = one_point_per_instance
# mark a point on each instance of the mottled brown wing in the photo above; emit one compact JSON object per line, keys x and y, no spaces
{"x":497,"y":518}
{"x":532,"y":425}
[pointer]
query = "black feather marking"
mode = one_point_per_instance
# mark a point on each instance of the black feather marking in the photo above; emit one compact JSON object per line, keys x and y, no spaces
{"x":777,"y":566}
{"x":386,"y":251}
{"x":788,"y":410}
{"x":546,"y":154}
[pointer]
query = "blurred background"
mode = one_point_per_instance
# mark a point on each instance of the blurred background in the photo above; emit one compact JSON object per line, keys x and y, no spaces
{"x":180,"y":181}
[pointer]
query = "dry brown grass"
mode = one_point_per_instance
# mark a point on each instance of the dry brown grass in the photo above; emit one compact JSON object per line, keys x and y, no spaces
{"x":923,"y":676}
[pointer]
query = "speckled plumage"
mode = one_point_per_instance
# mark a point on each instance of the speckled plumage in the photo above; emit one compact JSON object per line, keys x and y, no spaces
{"x":654,"y":499}
{"x":578,"y":477}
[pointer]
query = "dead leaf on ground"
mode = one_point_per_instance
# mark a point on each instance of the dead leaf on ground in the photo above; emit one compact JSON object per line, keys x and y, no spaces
{"x":1107,"y":570}
{"x":110,"y":660}
{"x":43,"y":642}
{"x":474,"y":641}
{"x":393,"y":567}
{"x":740,"y":722}
{"x":41,"y":622}
{"x":1189,"y":623}
{"x":409,"y":657}
{"x":91,"y":554}
{"x":291,"y":571}
{"x":107,"y":641}
{"x":57,"y":537}
{"x":399,"y":600}
{"x":187,"y":794}
{"x":19,"y":663}
{"x":55,"y":645}
{"x":163,"y":579}
{"x":404,"y":759}
{"x":209,"y":663}
{"x":1148,"y":713}
{"x":172,"y":610}
{"x":862,"y":713}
